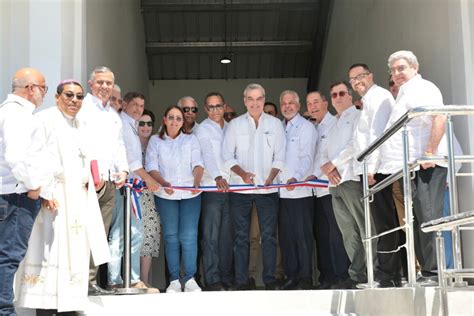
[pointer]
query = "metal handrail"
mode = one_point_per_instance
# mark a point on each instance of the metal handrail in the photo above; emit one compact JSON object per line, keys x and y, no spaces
{"x":402,"y":122}
{"x":452,"y":110}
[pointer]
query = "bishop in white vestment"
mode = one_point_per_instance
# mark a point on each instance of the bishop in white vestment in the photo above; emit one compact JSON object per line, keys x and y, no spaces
{"x":54,"y":273}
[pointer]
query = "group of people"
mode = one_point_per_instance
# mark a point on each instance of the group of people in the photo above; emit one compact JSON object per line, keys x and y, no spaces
{"x":208,"y":184}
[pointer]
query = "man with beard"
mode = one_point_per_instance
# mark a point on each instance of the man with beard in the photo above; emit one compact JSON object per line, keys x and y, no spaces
{"x":22,"y":174}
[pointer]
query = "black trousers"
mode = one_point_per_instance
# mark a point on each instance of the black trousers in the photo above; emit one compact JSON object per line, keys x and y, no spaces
{"x":428,"y":202}
{"x":332,"y":260}
{"x":384,"y":215}
{"x":296,"y":236}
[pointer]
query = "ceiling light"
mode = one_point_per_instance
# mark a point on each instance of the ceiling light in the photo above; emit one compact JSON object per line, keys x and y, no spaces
{"x":225,"y":60}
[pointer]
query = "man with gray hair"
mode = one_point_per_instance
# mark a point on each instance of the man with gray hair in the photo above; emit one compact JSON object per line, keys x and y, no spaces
{"x":103,"y":131}
{"x":425,"y":134}
{"x":116,"y":98}
{"x":296,"y":204}
{"x":254,"y":150}
{"x":190,"y":108}
{"x":22,"y":175}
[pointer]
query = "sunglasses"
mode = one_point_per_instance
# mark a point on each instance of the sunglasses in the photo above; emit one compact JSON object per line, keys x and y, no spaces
{"x":341,"y":94}
{"x":186,"y":109}
{"x":143,"y":123}
{"x":174,"y":118}
{"x":70,"y":95}
{"x":113,"y":99}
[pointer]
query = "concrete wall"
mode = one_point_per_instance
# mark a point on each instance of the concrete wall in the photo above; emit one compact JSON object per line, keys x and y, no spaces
{"x":439,"y":32}
{"x":167,"y":92}
{"x":116,"y":38}
{"x":67,"y":39}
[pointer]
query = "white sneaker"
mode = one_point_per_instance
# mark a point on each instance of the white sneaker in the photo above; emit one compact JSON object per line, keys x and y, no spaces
{"x":174,"y":287}
{"x":191,"y":286}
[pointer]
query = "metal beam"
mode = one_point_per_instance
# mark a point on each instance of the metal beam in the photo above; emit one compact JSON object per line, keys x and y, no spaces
{"x":192,"y":6}
{"x":229,"y":45}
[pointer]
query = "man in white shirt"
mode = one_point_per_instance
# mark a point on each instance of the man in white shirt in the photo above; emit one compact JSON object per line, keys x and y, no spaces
{"x":103,"y":129}
{"x":332,"y":259}
{"x":378,"y":103}
{"x":216,"y":222}
{"x":133,"y":106}
{"x":254,"y":150}
{"x":425,"y":135}
{"x":116,"y":98}
{"x":296,"y":204}
{"x":337,"y":164}
{"x":22,"y":174}
{"x":190,"y":108}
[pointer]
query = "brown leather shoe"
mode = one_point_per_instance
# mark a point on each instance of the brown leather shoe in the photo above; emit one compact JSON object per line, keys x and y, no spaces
{"x":142,"y":285}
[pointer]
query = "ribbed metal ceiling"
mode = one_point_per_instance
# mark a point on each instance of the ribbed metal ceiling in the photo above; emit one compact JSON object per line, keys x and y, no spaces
{"x":264,"y":39}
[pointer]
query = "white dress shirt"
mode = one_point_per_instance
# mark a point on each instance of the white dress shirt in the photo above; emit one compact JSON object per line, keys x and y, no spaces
{"x":414,"y":93}
{"x":301,"y":137}
{"x":175,"y":159}
{"x":378,"y":103}
{"x":254,"y":149}
{"x":339,"y":148}
{"x":133,"y":147}
{"x":323,"y":129}
{"x":103,"y":128}
{"x":23,"y":164}
{"x":211,"y":135}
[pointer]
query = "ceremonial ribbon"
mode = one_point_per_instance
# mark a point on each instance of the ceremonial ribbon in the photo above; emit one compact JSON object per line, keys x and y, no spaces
{"x":136,"y":191}
{"x":137,"y":186}
{"x":247,"y":187}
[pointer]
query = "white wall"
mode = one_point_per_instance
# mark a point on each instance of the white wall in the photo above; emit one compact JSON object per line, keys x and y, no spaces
{"x":167,"y":92}
{"x":67,"y":39}
{"x":40,"y":34}
{"x":116,"y":39}
{"x":439,"y":32}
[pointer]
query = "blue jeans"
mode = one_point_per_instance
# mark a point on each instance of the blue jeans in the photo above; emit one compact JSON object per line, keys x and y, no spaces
{"x":116,"y":244}
{"x":267,"y":211}
{"x":448,"y":239}
{"x":217,"y":238}
{"x":17,"y":215}
{"x":180,"y":219}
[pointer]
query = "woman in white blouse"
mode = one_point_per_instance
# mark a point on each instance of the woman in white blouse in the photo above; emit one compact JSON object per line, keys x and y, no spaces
{"x":173,"y":158}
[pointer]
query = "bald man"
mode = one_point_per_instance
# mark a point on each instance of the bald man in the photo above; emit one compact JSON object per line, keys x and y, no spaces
{"x":21,"y":175}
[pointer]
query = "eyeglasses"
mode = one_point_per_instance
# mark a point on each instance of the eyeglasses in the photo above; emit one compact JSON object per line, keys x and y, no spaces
{"x":398,"y":69}
{"x":143,"y":123}
{"x":44,"y":88}
{"x":193,"y":109}
{"x":113,"y":99}
{"x":341,"y":94}
{"x":358,"y":77}
{"x":212,"y":108}
{"x":174,"y":118}
{"x":71,"y":95}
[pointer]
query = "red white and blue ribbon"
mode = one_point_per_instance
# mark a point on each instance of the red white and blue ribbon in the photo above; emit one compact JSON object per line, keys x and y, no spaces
{"x":247,"y":187}
{"x":136,"y":191}
{"x":137,"y":186}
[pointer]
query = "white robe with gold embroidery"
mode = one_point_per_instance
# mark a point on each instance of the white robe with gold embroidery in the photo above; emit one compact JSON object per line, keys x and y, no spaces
{"x":54,"y":273}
